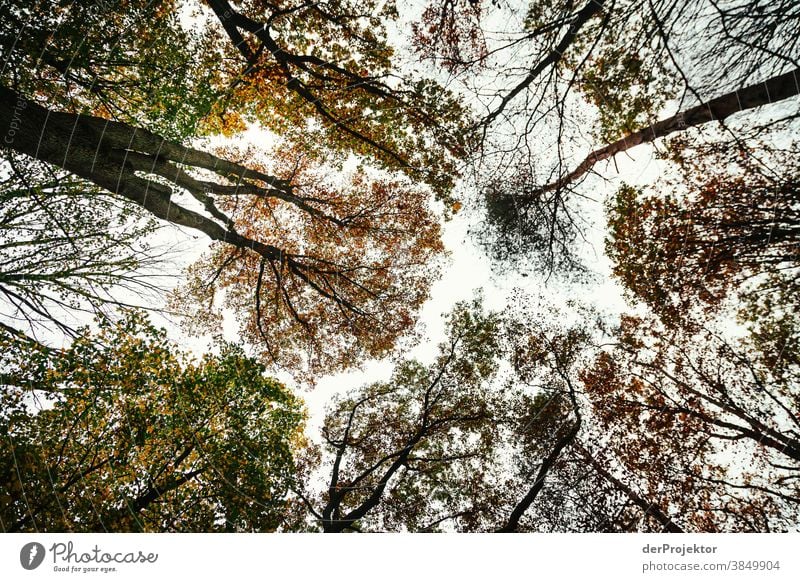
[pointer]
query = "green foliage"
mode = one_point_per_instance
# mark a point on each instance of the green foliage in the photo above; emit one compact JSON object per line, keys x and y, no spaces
{"x":129,"y":61}
{"x":629,"y":90}
{"x":120,"y":432}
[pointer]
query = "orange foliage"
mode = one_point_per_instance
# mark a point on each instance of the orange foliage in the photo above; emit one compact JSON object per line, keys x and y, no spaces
{"x":357,"y":256}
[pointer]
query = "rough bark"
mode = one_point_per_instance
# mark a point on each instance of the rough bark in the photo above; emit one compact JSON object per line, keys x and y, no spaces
{"x":110,"y":153}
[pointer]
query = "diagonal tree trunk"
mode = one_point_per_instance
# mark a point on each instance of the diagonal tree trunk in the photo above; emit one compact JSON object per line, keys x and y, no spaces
{"x":770,"y":91}
{"x":650,"y":509}
{"x":583,"y":16}
{"x":519,"y":510}
{"x":110,"y":153}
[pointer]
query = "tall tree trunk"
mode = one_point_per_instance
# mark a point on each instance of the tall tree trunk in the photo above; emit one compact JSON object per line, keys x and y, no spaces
{"x":650,"y":509}
{"x":583,"y":16}
{"x":770,"y":91}
{"x":547,"y":464}
{"x":109,"y":154}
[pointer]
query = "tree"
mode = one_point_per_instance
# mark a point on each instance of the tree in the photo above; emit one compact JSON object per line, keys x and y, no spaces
{"x":449,"y":33}
{"x":625,"y":57}
{"x":589,"y":492}
{"x":707,"y":237}
{"x":645,"y":70}
{"x":421,"y":470}
{"x":768,"y":92}
{"x":562,"y":477}
{"x":525,"y":226}
{"x":350,"y":265}
{"x":127,"y":61}
{"x":245,"y":62}
{"x":543,"y":357}
{"x":357,"y":269}
{"x":56,"y":258}
{"x":674,"y":405}
{"x":118,"y":432}
{"x":343,"y":82}
{"x":631,"y":450}
{"x":346,"y":278}
{"x":461,"y":454}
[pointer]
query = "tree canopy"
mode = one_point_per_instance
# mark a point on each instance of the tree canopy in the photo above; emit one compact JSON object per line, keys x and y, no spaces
{"x":294,"y":176}
{"x":119,"y":432}
{"x":103,"y":107}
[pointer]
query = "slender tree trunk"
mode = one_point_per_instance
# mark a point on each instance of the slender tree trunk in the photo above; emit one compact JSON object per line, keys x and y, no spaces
{"x":770,"y":91}
{"x":516,"y":514}
{"x":650,"y":509}
{"x":581,"y":18}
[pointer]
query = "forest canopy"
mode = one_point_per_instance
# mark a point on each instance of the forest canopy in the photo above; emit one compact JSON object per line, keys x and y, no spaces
{"x":210,"y":208}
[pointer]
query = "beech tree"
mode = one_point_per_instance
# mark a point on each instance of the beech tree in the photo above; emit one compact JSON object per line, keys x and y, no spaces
{"x":544,"y":357}
{"x":673,"y":404}
{"x":316,"y":169}
{"x":449,"y":33}
{"x":768,"y":92}
{"x":715,"y":233}
{"x":127,"y":61}
{"x":306,"y":65}
{"x":121,"y":159}
{"x":591,"y":492}
{"x":564,"y":477}
{"x":118,"y":432}
{"x":303,"y":258}
{"x":629,"y":59}
{"x":441,"y":462}
{"x":459,"y":454}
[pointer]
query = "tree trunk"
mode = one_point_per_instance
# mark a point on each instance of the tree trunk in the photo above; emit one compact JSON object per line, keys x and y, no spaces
{"x":581,"y":18}
{"x":770,"y":91}
{"x":650,"y":509}
{"x":516,"y":514}
{"x":109,"y":153}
